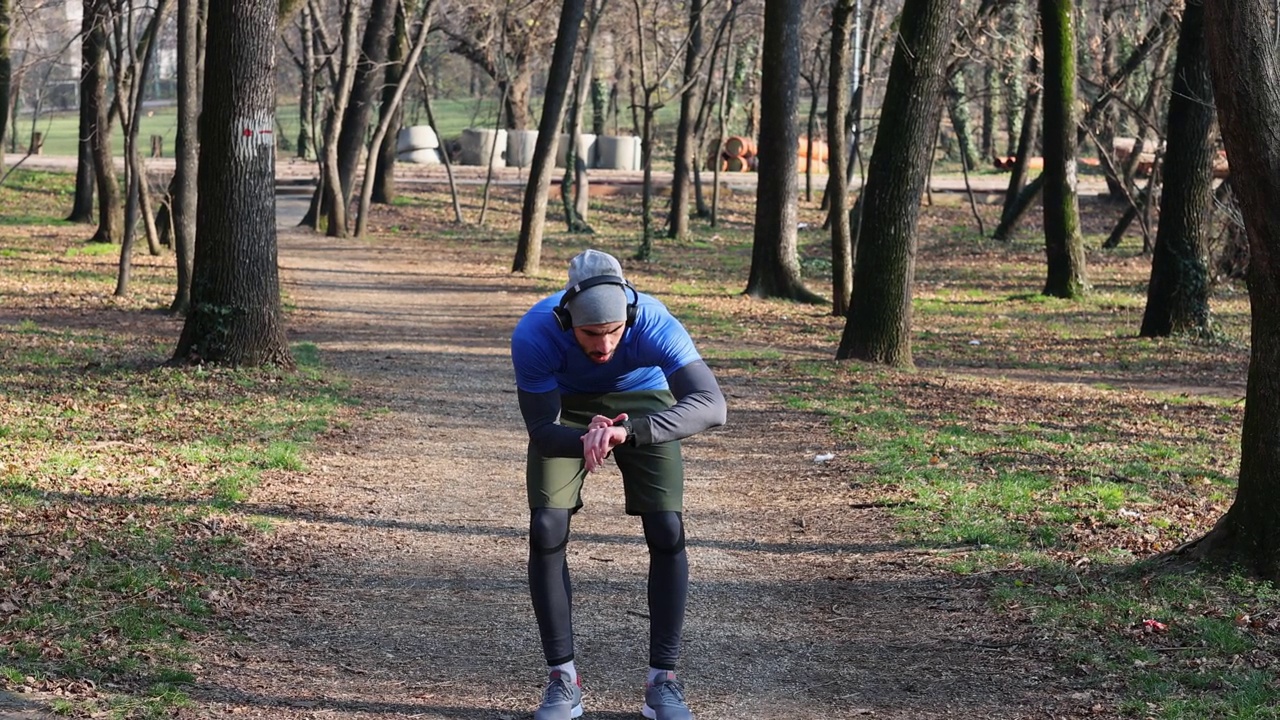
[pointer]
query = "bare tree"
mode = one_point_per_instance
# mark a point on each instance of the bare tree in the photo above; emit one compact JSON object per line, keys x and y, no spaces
{"x":131,"y":83}
{"x":775,"y":263}
{"x":474,"y":30}
{"x":98,"y":17}
{"x":186,"y":152}
{"x":236,"y":316}
{"x":6,"y":74}
{"x":421,"y":26}
{"x":1246,"y":78}
{"x":534,"y":211}
{"x":1178,"y":294}
{"x":842,"y":21}
{"x":575,"y":190}
{"x":1064,"y":245}
{"x":678,"y":225}
{"x":878,"y":326}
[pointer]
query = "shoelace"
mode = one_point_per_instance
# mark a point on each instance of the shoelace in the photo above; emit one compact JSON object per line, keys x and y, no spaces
{"x":670,"y":692}
{"x":558,"y":691}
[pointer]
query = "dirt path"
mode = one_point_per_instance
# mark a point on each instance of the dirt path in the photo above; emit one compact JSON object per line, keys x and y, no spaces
{"x":413,"y":600}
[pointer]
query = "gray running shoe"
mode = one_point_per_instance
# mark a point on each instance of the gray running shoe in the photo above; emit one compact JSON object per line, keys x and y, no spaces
{"x":664,"y":699}
{"x":562,"y":700}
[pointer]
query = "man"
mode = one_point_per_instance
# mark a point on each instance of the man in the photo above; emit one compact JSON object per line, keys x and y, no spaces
{"x":602,"y":370}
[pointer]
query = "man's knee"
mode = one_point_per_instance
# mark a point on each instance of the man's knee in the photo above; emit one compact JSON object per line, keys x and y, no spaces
{"x":548,"y":530}
{"x":664,"y":532}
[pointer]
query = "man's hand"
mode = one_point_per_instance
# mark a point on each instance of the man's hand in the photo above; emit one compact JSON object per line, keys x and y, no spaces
{"x":601,"y":438}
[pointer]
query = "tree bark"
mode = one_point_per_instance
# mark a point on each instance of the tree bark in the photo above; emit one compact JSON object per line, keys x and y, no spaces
{"x":389,"y":117}
{"x":878,"y":326}
{"x":1246,"y":82}
{"x":1064,"y":245}
{"x":1178,"y":294}
{"x":1015,"y":203}
{"x":384,"y":183}
{"x":533,"y":215}
{"x":684,"y":160}
{"x":575,"y":189}
{"x":842,"y":17}
{"x":97,"y":20}
{"x":6,"y":73}
{"x":185,"y":153}
{"x":236,"y":317}
{"x":130,"y":107}
{"x":775,"y":262}
{"x":359,"y":108}
{"x":306,"y":148}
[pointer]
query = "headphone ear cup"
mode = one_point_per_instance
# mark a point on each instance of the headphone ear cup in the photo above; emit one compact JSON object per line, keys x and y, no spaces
{"x":563,"y":319}
{"x":633,"y":307}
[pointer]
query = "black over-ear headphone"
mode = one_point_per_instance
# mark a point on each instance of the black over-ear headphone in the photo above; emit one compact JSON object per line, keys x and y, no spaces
{"x":561,"y":311}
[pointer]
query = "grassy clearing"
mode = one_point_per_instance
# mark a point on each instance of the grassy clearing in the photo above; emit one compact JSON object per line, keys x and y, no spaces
{"x":122,"y":537}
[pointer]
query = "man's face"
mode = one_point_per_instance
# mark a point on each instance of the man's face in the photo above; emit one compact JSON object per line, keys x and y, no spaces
{"x":599,"y":341}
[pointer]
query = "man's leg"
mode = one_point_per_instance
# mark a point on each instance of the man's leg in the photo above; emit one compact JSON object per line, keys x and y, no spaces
{"x":549,"y":582}
{"x":552,"y":605}
{"x":668,"y":586}
{"x":668,"y":590}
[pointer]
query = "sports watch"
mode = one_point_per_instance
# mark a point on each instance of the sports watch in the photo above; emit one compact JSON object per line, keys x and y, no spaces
{"x":630,"y":439}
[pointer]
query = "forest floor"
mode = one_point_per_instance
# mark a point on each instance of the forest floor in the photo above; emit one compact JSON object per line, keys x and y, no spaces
{"x":397,"y":589}
{"x":412,"y":602}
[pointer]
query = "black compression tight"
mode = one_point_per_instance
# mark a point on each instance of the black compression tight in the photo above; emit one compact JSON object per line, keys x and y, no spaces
{"x":553,"y":597}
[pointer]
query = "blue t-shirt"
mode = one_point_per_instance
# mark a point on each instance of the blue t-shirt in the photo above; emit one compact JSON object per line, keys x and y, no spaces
{"x":547,"y":358}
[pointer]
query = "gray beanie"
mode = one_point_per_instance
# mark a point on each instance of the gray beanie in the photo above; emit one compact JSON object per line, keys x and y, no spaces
{"x":599,"y":304}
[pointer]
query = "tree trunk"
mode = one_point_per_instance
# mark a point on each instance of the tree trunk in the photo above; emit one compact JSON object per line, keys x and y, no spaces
{"x":329,"y":196}
{"x":991,"y":109}
{"x":389,"y":117}
{"x":97,"y":19}
{"x":533,"y":215}
{"x":86,"y":178}
{"x":236,"y":317}
{"x":645,"y":251}
{"x":138,"y":201}
{"x":307,"y":93}
{"x":684,"y":160}
{"x":384,"y":183}
{"x":444,"y":156}
{"x":775,"y":262}
{"x":1178,"y":294}
{"x":1063,"y":243}
{"x":961,"y":118}
{"x":575,"y":189}
{"x":359,"y":108}
{"x":1154,"y":39}
{"x":517,"y":91}
{"x":1246,"y":82}
{"x":6,"y":74}
{"x":842,"y":17}
{"x":185,"y":153}
{"x":1014,"y":202}
{"x":878,"y":326}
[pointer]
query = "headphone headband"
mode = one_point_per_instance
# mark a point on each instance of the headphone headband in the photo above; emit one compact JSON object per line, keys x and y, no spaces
{"x":561,"y":310}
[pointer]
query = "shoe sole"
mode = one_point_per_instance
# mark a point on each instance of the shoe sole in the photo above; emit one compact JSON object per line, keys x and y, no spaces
{"x":650,"y":713}
{"x":576,"y":712}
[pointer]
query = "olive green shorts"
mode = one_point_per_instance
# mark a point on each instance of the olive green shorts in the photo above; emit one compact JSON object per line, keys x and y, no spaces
{"x":652,"y":476}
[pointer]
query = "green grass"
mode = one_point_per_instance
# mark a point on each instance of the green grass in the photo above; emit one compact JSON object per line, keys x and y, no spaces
{"x":453,"y":115}
{"x":121,"y":482}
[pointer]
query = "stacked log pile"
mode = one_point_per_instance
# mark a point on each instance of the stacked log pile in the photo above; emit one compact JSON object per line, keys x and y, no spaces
{"x":739,"y":155}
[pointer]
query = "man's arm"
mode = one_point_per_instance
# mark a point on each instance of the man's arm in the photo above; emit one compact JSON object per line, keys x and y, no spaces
{"x":699,"y":405}
{"x":541,"y":413}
